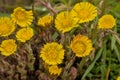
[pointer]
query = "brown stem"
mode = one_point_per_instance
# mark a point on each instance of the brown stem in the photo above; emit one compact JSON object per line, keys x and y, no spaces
{"x":85,"y":28}
{"x":81,"y":65}
{"x":47,"y":5}
{"x":34,"y":14}
{"x":67,"y":67}
{"x":102,"y":6}
{"x":108,"y":71}
{"x":62,"y":38}
{"x":115,"y":35}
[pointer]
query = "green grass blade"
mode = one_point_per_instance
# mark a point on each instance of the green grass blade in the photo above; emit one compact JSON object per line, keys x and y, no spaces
{"x":117,"y":53}
{"x":93,"y":63}
{"x":113,"y":41}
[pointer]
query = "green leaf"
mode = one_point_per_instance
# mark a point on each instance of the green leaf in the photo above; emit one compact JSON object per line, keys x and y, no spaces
{"x":4,"y":14}
{"x":55,"y":35}
{"x":103,"y":66}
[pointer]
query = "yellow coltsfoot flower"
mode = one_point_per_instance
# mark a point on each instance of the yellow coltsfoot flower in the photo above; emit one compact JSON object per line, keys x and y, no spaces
{"x":54,"y":70}
{"x":8,"y":47}
{"x":22,"y":17}
{"x":81,"y":46}
{"x":24,"y":34}
{"x":118,"y":78}
{"x":52,"y":53}
{"x":45,"y":21}
{"x":64,"y":22}
{"x":6,"y":26}
{"x":84,"y":12}
{"x":106,"y":22}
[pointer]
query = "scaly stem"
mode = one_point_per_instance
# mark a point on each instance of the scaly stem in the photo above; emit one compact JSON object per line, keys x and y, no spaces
{"x":47,"y":5}
{"x":62,"y":38}
{"x":80,"y":66}
{"x":67,"y":67}
{"x":115,"y":35}
{"x":102,"y":6}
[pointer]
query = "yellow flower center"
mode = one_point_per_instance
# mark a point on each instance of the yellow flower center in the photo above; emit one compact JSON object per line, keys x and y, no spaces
{"x":67,"y":23}
{"x":26,"y":36}
{"x":9,"y":48}
{"x":107,"y":23}
{"x":4,"y":29}
{"x":79,"y":47}
{"x":21,"y":15}
{"x":83,"y":14}
{"x":52,"y":55}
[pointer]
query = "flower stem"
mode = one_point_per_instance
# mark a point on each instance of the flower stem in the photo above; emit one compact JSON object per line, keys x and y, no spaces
{"x":62,"y":38}
{"x":47,"y":5}
{"x":30,"y":57}
{"x":80,"y":66}
{"x":102,"y":6}
{"x":67,"y":68}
